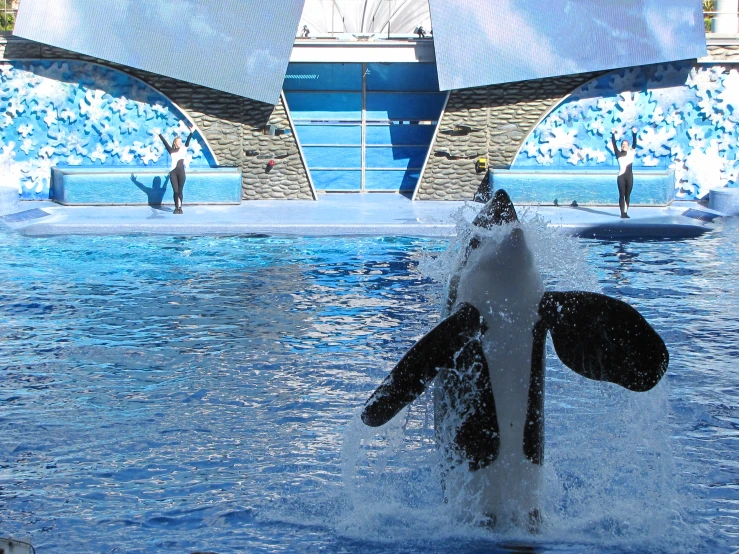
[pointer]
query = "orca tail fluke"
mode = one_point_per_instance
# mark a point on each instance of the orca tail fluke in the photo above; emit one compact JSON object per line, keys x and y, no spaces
{"x":497,"y":211}
{"x":604,"y":339}
{"x":420,"y":365}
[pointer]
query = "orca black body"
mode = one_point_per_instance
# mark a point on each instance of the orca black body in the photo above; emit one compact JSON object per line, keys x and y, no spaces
{"x":487,"y":362}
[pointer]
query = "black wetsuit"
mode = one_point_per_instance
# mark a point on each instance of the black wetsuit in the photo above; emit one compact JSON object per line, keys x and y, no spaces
{"x":625,"y":179}
{"x":177,"y":173}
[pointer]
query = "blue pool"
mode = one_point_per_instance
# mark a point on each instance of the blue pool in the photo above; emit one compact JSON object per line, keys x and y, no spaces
{"x":164,"y":394}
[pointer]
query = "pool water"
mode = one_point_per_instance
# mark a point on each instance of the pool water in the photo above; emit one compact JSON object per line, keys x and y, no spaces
{"x":165,"y":394}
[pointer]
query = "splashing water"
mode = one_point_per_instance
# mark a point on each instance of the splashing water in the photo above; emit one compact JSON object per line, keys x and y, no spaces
{"x":609,"y":467}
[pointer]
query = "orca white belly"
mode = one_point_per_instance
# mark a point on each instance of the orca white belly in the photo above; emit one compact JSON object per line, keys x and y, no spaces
{"x":505,"y":285}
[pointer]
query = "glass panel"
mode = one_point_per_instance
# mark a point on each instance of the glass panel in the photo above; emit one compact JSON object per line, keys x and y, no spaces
{"x":395,"y":157}
{"x":398,"y":134}
{"x":395,"y":148}
{"x":330,"y":106}
{"x":323,"y":76}
{"x":321,"y":157}
{"x":391,"y":180}
{"x":337,"y":180}
{"x":404,"y":105}
{"x":329,"y":134}
{"x":402,"y":76}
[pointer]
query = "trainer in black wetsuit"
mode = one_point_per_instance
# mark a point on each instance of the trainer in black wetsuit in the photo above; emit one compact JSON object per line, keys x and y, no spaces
{"x":177,"y":155}
{"x":625,"y":179}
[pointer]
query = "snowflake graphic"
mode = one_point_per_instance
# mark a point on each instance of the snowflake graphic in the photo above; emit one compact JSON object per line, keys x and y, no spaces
{"x":25,"y":130}
{"x":98,"y":154}
{"x":704,"y":170}
{"x":531,"y":149}
{"x":650,"y":161}
{"x":559,"y":140}
{"x":728,"y":98}
{"x":656,"y":142}
{"x":545,"y":159}
{"x":26,"y":145}
{"x":596,"y":126}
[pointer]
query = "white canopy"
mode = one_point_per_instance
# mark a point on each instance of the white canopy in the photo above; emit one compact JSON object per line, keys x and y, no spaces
{"x":337,"y":17}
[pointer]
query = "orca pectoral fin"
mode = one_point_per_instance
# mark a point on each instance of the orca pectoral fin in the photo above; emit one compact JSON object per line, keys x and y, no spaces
{"x":604,"y":339}
{"x":422,"y":362}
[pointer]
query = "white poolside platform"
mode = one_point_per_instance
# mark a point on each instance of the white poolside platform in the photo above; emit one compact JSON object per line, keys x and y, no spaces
{"x":344,"y":214}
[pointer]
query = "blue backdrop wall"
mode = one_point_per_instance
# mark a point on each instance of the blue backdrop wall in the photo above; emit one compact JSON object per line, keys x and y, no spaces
{"x":686,"y":115}
{"x":364,"y":126}
{"x":72,"y":113}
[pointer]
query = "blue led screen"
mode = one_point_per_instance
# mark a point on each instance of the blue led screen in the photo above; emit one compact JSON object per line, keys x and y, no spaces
{"x":238,"y":46}
{"x":482,"y":42}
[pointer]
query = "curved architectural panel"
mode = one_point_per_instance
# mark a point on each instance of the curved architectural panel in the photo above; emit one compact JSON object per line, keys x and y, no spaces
{"x":485,"y":43}
{"x":687,"y":119}
{"x":336,"y":17}
{"x":72,"y":113}
{"x":237,"y":46}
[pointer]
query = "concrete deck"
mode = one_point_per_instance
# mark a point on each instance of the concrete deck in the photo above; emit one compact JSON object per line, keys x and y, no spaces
{"x":343,"y":214}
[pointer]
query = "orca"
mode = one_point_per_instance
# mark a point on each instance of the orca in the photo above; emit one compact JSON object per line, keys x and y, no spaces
{"x":486,"y":360}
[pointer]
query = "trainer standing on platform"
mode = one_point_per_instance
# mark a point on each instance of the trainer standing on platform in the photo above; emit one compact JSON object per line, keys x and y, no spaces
{"x":177,"y":155}
{"x":625,"y":181}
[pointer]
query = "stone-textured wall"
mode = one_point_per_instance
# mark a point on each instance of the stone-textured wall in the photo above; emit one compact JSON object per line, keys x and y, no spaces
{"x":723,"y":52}
{"x":234,"y":126}
{"x":491,"y":122}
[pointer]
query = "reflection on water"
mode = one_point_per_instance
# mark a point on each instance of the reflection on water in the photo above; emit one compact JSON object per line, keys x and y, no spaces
{"x":174,"y":394}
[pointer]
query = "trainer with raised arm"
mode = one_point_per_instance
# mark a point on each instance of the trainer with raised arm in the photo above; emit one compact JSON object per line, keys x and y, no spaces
{"x":625,"y":180}
{"x":177,"y":155}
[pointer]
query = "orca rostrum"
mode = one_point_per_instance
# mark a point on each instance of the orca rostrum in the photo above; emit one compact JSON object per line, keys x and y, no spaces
{"x":486,"y":359}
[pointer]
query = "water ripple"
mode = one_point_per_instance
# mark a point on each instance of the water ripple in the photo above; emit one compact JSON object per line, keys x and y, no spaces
{"x":176,"y":394}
